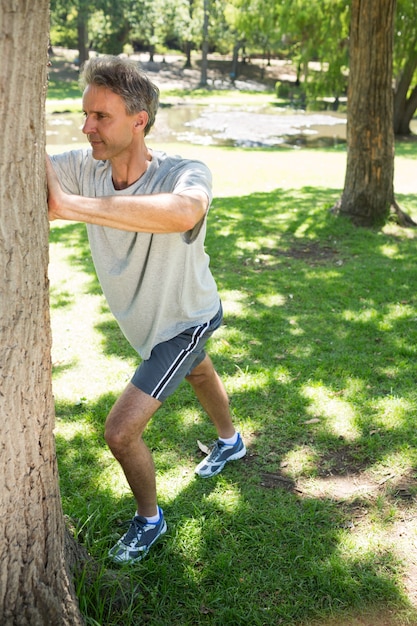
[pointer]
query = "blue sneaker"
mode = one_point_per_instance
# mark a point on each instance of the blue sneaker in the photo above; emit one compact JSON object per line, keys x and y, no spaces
{"x":135,"y":544}
{"x":220,"y":454}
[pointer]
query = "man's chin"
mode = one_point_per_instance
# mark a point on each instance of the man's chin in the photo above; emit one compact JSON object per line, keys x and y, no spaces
{"x":99,"y":153}
{"x":97,"y":157}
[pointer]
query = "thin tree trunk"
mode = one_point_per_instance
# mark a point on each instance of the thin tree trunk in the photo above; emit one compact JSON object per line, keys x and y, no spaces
{"x":35,"y":588}
{"x":188,"y":48}
{"x":189,"y":43}
{"x":82,"y":32}
{"x":235,"y":61}
{"x":204,"y":45}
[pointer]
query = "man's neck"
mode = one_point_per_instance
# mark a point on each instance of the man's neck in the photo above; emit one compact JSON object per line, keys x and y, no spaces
{"x":126,"y":174}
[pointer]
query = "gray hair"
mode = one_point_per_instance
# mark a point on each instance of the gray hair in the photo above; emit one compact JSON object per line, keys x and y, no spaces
{"x":126,"y":79}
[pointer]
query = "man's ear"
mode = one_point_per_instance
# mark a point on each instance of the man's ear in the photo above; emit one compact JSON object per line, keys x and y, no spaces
{"x":141,"y":119}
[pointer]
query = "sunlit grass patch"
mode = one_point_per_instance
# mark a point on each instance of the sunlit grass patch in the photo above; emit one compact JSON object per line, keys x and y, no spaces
{"x":333,"y":411}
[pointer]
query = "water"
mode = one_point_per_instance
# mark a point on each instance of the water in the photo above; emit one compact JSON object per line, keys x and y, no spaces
{"x":222,"y":126}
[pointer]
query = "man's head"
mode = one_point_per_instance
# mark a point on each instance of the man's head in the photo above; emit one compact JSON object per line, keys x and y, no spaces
{"x":124,"y":78}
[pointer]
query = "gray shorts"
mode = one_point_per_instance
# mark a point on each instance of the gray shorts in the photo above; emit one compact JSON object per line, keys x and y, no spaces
{"x":172,"y":360}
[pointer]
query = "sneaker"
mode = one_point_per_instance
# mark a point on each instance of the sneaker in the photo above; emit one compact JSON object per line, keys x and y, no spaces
{"x":135,"y":544}
{"x":219,"y":456}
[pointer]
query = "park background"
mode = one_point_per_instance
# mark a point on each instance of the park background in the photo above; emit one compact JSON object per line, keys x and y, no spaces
{"x":317,"y":525}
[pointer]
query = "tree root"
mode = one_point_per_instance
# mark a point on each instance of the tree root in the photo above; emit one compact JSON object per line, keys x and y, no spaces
{"x":400,"y":217}
{"x":396,"y":214}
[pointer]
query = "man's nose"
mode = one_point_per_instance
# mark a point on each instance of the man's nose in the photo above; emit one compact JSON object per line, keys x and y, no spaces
{"x":88,"y":126}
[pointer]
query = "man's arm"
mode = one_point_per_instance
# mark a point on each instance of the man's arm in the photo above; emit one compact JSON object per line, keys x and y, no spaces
{"x":156,"y":213}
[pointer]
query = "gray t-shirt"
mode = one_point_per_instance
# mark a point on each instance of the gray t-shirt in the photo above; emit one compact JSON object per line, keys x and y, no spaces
{"x":157,"y":285}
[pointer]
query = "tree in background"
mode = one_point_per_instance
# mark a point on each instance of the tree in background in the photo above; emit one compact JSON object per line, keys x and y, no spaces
{"x":70,"y":19}
{"x":205,"y":43}
{"x":368,"y":193}
{"x":267,"y":28}
{"x":405,"y":66}
{"x":328,"y":49}
{"x":187,"y":11}
{"x":82,"y":30}
{"x":35,"y":585}
{"x":202,"y":25}
{"x":153,"y":23}
{"x":257,"y":25}
{"x":109,"y":28}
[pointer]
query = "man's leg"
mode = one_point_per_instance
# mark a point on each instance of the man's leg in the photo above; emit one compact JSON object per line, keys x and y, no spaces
{"x":212,"y":396}
{"x":124,"y":427}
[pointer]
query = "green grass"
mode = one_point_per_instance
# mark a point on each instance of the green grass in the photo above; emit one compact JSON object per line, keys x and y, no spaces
{"x":63,"y":89}
{"x":318,"y":354}
{"x":59,"y":90}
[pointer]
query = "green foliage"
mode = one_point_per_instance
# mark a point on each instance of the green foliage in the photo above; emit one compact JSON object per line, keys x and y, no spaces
{"x":405,"y":33}
{"x":266,"y":28}
{"x":282,"y":89}
{"x":288,"y":90}
{"x":222,"y":35}
{"x":109,"y":32}
{"x":257,"y":25}
{"x":64,"y":28}
{"x":328,"y":48}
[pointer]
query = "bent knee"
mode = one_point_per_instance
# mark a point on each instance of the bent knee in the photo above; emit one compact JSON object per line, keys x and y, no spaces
{"x":197,"y":380}
{"x":119,"y":440}
{"x":200,"y":377}
{"x":114,"y":440}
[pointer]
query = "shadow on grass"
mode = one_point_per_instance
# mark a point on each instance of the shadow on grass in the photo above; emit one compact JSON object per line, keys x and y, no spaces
{"x":320,"y":319}
{"x":253,"y":556}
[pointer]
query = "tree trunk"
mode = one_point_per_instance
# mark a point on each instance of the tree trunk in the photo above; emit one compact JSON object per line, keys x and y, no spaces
{"x":204,"y":46}
{"x":368,"y":191}
{"x":35,"y":588}
{"x":404,"y":106}
{"x":82,"y":32}
{"x":189,"y":43}
{"x":188,"y":48}
{"x":235,"y":61}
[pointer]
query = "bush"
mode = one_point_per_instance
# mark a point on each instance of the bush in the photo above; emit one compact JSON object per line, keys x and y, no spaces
{"x":290,"y":90}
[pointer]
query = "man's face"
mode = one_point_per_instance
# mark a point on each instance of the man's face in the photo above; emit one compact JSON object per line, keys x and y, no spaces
{"x":109,"y":129}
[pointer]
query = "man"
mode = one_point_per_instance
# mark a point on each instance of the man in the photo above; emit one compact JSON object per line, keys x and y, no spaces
{"x":146,"y":219}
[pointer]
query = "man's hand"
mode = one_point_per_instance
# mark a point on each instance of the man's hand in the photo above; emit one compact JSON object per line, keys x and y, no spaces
{"x":55,"y":193}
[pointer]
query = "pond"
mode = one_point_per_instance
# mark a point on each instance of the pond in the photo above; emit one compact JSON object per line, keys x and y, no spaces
{"x":223,"y":126}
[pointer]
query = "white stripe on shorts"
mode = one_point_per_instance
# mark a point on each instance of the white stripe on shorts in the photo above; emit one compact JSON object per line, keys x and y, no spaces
{"x":170,"y":373}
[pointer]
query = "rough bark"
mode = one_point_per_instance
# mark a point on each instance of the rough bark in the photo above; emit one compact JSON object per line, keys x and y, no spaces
{"x":368,"y":194}
{"x":35,"y":588}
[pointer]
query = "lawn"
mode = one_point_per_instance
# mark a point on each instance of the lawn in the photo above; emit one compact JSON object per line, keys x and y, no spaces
{"x":318,"y":353}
